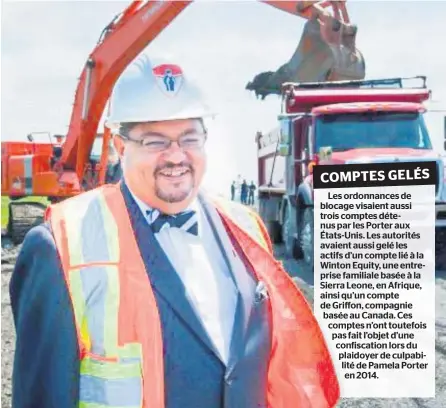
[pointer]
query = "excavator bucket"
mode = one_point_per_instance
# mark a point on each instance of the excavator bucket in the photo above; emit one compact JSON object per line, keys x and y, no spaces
{"x":326,"y":52}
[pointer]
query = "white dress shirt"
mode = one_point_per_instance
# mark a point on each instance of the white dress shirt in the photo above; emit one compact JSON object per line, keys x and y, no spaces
{"x":200,"y":264}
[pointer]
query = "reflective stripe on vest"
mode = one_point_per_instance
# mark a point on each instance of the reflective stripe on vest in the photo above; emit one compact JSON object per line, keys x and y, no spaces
{"x":111,"y":375}
{"x":246,"y":219}
{"x":117,"y":317}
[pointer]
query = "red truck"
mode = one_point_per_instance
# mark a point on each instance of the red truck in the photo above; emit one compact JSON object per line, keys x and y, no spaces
{"x":367,"y":121}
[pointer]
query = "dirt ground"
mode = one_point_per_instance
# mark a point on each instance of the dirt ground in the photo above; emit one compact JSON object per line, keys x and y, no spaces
{"x":298,"y":271}
{"x":8,"y":333}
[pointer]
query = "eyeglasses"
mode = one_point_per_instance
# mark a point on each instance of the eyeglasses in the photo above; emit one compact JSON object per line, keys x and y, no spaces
{"x":159,"y":143}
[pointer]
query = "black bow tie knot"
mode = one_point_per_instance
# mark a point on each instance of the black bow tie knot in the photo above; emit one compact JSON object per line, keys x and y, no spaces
{"x":186,"y":220}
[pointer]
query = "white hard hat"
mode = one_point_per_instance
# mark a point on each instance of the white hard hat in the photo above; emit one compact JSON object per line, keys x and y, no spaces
{"x":151,"y":90}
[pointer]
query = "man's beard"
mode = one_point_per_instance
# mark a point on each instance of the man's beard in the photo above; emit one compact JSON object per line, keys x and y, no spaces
{"x":180,"y":194}
{"x":173,"y":197}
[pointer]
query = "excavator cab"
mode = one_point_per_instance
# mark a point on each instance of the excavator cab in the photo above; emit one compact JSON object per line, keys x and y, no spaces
{"x":326,"y":52}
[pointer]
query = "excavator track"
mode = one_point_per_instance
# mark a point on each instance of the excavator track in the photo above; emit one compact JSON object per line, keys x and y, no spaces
{"x":23,"y":215}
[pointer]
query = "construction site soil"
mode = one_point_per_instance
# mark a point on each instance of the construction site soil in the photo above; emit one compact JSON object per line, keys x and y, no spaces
{"x":299,"y":273}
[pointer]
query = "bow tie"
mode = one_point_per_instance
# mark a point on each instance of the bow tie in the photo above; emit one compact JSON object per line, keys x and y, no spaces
{"x":187,"y":221}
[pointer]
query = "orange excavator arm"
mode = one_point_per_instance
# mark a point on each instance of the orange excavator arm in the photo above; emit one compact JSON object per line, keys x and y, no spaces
{"x":121,"y":41}
{"x":308,"y":9}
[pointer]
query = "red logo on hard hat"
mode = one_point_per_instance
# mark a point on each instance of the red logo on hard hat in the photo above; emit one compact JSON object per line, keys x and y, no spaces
{"x":169,"y":78}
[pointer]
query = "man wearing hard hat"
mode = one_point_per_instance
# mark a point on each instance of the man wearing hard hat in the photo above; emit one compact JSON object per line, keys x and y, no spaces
{"x":149,"y":293}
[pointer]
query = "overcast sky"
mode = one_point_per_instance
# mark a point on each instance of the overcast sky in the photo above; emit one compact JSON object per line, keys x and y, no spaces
{"x":224,"y":44}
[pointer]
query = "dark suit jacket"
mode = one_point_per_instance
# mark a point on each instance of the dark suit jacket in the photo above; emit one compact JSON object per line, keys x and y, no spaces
{"x":46,"y":364}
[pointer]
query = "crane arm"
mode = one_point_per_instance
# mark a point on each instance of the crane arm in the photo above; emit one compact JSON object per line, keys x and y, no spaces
{"x":121,"y":41}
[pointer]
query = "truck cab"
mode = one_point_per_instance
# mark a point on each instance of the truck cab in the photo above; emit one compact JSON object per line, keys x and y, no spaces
{"x":347,"y":122}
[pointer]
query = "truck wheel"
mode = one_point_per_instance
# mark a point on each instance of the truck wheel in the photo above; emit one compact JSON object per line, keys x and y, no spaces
{"x":306,"y":236}
{"x":288,"y":233}
{"x":273,"y":228}
{"x":440,"y":249}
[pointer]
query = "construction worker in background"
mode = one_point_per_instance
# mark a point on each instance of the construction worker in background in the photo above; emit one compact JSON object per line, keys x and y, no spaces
{"x":244,"y":192}
{"x":150,"y":293}
{"x":59,"y":140}
{"x":252,"y":189}
{"x":233,"y":187}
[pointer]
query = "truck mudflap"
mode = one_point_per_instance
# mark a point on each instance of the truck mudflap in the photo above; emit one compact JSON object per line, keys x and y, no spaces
{"x":326,"y":52}
{"x":440,"y":236}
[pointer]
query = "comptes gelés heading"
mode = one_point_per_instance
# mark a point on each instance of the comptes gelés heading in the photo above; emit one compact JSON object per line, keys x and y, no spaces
{"x":375,"y":175}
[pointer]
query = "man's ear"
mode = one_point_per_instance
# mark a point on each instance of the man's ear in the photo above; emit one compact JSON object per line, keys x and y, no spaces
{"x":118,"y":143}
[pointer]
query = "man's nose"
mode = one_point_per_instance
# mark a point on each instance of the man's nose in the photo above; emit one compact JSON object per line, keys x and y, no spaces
{"x":174,"y":153}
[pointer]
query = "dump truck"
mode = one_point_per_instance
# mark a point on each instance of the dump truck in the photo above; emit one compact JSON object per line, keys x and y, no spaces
{"x":340,"y":122}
